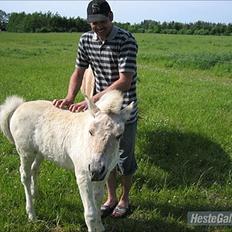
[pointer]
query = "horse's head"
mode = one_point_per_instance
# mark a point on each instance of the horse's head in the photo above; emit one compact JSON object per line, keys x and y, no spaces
{"x":104,"y":133}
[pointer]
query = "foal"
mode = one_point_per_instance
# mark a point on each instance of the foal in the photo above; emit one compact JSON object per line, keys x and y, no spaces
{"x":85,"y":142}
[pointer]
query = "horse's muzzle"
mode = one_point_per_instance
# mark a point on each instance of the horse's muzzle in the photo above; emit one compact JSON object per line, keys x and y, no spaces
{"x":97,"y":172}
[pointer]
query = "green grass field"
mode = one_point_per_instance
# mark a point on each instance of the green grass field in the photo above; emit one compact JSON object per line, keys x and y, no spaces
{"x":184,"y":143}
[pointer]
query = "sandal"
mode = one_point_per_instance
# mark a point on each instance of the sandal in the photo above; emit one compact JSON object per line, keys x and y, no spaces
{"x":120,"y":212}
{"x":107,"y":210}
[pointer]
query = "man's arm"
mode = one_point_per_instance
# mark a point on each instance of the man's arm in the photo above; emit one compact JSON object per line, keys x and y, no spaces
{"x":74,"y":86}
{"x":75,"y":83}
{"x":122,"y":84}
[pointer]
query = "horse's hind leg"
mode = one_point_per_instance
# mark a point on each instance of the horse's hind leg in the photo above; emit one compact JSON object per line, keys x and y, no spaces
{"x":34,"y":174}
{"x":25,"y":171}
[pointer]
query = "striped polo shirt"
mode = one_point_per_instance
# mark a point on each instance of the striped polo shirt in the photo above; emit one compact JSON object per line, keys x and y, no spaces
{"x":107,"y":59}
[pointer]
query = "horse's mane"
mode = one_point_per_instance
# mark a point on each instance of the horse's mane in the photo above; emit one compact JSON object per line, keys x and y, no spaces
{"x":111,"y":102}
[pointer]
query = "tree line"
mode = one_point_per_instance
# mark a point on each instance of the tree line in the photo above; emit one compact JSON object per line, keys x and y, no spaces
{"x":49,"y":22}
{"x":44,"y":22}
{"x":197,"y":28}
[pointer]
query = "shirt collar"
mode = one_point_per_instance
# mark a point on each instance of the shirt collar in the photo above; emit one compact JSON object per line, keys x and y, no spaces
{"x":110,"y":36}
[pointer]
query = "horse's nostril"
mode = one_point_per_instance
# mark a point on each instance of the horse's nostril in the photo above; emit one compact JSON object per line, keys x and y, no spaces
{"x":102,"y":170}
{"x":89,"y":167}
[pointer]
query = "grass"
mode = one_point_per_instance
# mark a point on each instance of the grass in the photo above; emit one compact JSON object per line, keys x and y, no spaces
{"x":184,"y":138}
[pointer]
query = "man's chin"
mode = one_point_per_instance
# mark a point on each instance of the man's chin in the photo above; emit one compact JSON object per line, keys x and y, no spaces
{"x":101,"y":34}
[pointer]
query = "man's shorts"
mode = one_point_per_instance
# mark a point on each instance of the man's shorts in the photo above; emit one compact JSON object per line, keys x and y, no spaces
{"x":128,"y":164}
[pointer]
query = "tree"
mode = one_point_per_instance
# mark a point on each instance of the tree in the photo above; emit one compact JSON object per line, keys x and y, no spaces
{"x":4,"y":17}
{"x":17,"y":22}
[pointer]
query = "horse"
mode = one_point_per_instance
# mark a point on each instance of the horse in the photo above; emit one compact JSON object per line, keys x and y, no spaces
{"x":85,"y":142}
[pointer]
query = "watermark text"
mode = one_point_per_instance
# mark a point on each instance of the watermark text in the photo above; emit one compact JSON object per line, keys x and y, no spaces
{"x":216,"y":218}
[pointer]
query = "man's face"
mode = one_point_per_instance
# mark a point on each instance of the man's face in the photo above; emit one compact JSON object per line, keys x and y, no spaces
{"x":102,"y":28}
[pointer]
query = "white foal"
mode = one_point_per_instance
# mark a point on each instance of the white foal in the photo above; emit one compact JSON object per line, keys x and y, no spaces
{"x":86,"y":142}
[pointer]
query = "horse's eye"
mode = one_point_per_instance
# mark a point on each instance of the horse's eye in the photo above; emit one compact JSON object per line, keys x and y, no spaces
{"x":118,"y":136}
{"x":91,"y":132}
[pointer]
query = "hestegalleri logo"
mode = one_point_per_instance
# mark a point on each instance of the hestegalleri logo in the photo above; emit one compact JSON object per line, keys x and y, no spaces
{"x":216,"y":218}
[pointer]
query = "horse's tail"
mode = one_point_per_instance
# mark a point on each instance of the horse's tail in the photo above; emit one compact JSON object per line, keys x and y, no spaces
{"x":6,"y":111}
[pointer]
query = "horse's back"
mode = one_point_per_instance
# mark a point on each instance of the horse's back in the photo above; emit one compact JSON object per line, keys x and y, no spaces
{"x":39,"y":127}
{"x":24,"y":120}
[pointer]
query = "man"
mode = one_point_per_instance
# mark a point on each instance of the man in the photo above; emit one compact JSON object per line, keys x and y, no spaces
{"x":111,"y":53}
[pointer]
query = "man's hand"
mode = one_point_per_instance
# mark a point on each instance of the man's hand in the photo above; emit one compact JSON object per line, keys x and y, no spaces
{"x":78,"y":107}
{"x":62,"y":103}
{"x":68,"y":104}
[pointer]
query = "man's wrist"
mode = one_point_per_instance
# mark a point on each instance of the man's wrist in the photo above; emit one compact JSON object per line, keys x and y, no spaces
{"x":96,"y":97}
{"x":70,"y":98}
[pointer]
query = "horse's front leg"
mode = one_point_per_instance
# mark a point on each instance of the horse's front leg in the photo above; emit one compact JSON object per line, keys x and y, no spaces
{"x":98,"y":192}
{"x":91,"y":212}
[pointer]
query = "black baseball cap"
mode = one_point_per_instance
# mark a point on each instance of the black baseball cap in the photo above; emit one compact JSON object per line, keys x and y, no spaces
{"x":98,"y":10}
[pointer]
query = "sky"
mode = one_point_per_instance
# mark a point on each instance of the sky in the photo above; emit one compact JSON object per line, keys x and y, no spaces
{"x":134,"y":11}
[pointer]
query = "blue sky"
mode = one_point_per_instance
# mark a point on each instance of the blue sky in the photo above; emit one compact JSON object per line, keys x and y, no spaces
{"x":134,"y":11}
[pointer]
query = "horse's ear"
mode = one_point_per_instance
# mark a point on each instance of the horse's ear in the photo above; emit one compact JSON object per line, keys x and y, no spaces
{"x":125,"y":113}
{"x":91,"y":106}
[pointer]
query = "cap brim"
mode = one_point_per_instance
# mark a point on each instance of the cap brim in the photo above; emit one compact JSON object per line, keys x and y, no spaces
{"x":96,"y":18}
